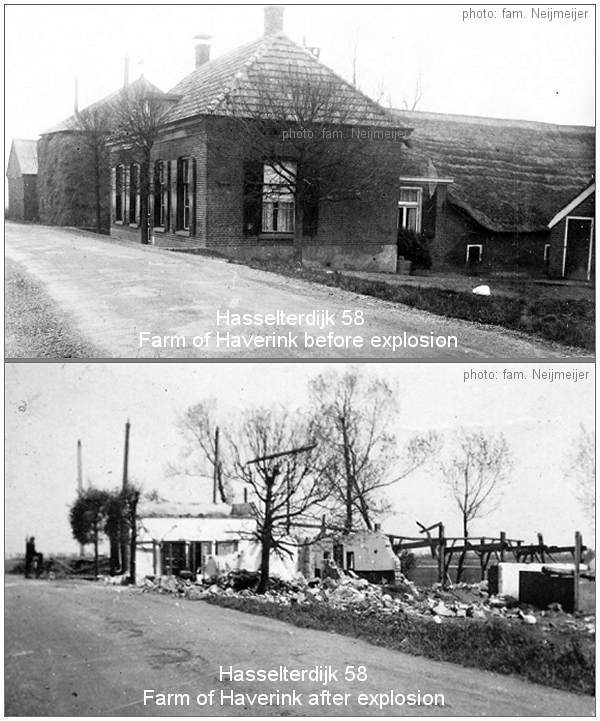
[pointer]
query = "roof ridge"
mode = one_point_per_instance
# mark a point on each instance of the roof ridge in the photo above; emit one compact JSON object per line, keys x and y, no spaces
{"x":486,"y":119}
{"x":243,"y":73}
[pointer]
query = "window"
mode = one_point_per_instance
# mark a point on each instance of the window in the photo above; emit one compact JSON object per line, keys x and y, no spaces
{"x":119,"y":193}
{"x":409,"y":209}
{"x":278,"y":197}
{"x":474,"y":254}
{"x":161,"y":191}
{"x":222,"y":548}
{"x":134,"y":194}
{"x":184,"y":182}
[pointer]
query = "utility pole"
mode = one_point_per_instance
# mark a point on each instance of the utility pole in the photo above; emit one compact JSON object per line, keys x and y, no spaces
{"x":126,"y":456}
{"x":124,"y":535}
{"x":216,"y":466}
{"x":79,"y":482}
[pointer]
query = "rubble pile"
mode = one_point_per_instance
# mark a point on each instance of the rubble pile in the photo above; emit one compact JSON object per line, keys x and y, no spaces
{"x":357,"y":595}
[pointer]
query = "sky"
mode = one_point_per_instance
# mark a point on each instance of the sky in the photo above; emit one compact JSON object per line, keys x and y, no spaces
{"x":50,"y":406}
{"x":526,"y":68}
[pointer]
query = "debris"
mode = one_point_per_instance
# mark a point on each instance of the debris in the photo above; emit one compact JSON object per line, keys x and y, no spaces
{"x":482,"y":290}
{"x":355,"y":595}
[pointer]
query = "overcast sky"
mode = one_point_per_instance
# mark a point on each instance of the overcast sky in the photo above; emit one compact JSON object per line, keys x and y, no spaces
{"x":529,"y":69}
{"x":50,"y":406}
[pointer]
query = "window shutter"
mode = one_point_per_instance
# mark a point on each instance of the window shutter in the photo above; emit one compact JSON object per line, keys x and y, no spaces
{"x":193,"y":197}
{"x":253,"y":183}
{"x":310,"y":211}
{"x":170,"y":204}
{"x":154,"y":195}
{"x":126,"y":182}
{"x":113,"y":187}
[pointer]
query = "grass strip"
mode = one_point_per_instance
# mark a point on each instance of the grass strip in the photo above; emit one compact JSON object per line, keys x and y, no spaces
{"x":563,"y":659}
{"x":566,"y":321}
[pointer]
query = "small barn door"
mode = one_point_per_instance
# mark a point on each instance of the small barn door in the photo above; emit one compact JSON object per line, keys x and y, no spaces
{"x":577,"y":259}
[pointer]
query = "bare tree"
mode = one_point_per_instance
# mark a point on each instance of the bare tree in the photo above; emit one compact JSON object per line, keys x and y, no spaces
{"x":275,"y":455}
{"x":94,"y":124}
{"x":353,"y":420}
{"x":417,"y":95}
{"x":311,"y":118}
{"x":476,"y":475}
{"x":581,"y":467}
{"x":199,"y":427}
{"x":138,"y":112}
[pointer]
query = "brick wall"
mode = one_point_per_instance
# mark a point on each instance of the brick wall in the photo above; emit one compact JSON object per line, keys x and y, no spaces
{"x":505,"y":252}
{"x":186,"y":142}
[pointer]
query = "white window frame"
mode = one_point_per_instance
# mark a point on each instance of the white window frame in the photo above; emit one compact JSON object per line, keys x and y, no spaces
{"x":405,"y":205}
{"x":277,"y":194}
{"x":565,"y":242}
{"x":474,"y":245}
{"x":546,"y":252}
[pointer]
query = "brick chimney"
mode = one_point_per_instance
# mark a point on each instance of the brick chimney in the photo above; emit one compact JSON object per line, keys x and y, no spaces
{"x":273,"y":19}
{"x":202,"y":49}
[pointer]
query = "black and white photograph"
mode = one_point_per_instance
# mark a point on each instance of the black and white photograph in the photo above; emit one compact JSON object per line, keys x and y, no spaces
{"x":300,"y":181}
{"x":299,"y":539}
{"x":299,"y":360}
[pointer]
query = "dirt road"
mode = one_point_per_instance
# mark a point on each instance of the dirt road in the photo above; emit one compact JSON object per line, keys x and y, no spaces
{"x":114,"y":291}
{"x":77,"y":648}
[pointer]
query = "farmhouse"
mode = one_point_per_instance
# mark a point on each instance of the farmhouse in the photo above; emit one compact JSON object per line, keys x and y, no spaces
{"x":22,"y":175}
{"x":242,"y":169}
{"x":236,"y":171}
{"x":511,"y":177}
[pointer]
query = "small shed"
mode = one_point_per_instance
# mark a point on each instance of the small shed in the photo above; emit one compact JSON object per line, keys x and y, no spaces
{"x":22,"y":174}
{"x":571,"y":252}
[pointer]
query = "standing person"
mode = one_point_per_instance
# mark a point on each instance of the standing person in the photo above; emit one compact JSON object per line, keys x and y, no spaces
{"x":29,"y":555}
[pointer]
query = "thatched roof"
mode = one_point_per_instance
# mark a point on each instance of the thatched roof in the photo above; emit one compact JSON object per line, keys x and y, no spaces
{"x":238,"y":80}
{"x":71,"y":123}
{"x":509,"y":175}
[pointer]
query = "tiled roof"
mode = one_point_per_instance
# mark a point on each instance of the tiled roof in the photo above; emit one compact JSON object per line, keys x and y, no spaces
{"x":26,"y":155}
{"x":509,"y":175}
{"x":237,"y":80}
{"x":141,"y":84}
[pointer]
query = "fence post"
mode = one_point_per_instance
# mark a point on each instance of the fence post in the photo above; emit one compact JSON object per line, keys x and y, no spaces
{"x":576,"y":572}
{"x":541,"y":545}
{"x":441,"y":555}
